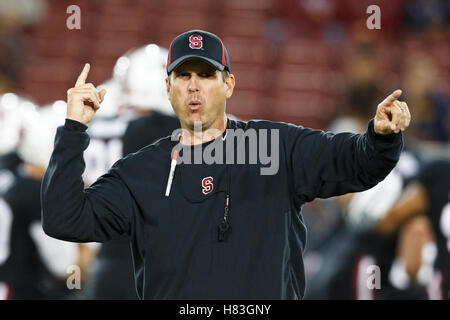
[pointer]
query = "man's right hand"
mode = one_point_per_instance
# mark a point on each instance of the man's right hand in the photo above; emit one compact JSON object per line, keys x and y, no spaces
{"x":83,"y":100}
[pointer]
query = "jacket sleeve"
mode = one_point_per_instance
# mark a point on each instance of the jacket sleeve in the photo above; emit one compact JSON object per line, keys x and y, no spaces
{"x":324,"y":164}
{"x":72,"y":213}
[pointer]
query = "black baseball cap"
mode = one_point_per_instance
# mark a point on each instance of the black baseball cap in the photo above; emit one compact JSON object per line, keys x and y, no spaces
{"x":198,"y":44}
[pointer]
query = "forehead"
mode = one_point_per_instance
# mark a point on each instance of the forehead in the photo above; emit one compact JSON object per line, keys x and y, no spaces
{"x":195,"y":65}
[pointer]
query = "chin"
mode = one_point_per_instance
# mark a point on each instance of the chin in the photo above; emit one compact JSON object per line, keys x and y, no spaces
{"x":190,"y":123}
{"x":194,"y":119}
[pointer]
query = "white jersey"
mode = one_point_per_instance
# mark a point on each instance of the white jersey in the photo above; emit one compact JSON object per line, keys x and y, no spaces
{"x":105,"y":147}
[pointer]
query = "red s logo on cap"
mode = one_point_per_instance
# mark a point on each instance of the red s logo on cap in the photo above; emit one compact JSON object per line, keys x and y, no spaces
{"x":195,"y":42}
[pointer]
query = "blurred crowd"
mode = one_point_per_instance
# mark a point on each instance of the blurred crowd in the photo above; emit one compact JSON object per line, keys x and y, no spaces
{"x":310,"y":62}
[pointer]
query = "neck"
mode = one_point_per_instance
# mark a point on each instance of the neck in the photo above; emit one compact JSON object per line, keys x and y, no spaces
{"x":200,"y":135}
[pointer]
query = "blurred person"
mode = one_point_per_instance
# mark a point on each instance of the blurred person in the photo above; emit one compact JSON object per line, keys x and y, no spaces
{"x":412,"y":268}
{"x":386,"y":251}
{"x":139,"y":73}
{"x":136,"y":113}
{"x":225,"y":237}
{"x":32,"y":265}
{"x":12,"y":110}
{"x":106,"y":132}
{"x":356,"y":245}
{"x":428,"y":196}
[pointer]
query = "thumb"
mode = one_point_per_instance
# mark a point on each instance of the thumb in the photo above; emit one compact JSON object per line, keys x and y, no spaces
{"x":102,"y":94}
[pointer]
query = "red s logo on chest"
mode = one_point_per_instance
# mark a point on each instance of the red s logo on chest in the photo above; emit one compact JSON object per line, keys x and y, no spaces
{"x":207,"y":185}
{"x":195,"y":42}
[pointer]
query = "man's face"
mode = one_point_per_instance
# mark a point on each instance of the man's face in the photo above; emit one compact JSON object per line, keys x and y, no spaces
{"x":198,"y":92}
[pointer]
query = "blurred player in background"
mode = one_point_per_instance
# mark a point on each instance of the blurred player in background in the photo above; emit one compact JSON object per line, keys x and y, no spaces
{"x":429,"y":196}
{"x":32,"y":265}
{"x":355,"y":245}
{"x":12,"y":109}
{"x":136,"y":113}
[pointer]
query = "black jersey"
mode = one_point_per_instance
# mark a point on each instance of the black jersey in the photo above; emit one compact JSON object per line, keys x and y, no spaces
{"x":10,"y":161}
{"x":224,"y":231}
{"x":146,"y":130}
{"x":435,"y":177}
{"x":9,"y":168}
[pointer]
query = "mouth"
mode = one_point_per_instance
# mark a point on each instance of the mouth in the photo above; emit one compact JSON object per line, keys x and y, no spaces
{"x":194,"y":105}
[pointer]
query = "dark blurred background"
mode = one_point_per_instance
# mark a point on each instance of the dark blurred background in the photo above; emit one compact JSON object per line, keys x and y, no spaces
{"x":300,"y":61}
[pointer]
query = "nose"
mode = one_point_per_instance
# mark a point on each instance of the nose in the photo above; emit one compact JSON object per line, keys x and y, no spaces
{"x":193,"y":83}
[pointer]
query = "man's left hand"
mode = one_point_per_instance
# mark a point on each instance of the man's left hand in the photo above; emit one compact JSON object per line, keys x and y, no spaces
{"x":392,"y":115}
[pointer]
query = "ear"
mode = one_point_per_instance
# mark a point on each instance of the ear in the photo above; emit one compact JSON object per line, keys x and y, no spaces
{"x":229,"y":83}
{"x":168,"y":86}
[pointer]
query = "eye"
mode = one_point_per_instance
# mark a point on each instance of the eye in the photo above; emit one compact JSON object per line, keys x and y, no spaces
{"x":206,"y":74}
{"x":183,"y":75}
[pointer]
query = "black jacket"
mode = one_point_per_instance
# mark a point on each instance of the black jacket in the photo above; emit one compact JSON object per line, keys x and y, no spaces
{"x":176,"y":251}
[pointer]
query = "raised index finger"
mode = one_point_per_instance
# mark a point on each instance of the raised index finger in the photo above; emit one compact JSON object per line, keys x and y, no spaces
{"x":393,"y":96}
{"x":83,"y":75}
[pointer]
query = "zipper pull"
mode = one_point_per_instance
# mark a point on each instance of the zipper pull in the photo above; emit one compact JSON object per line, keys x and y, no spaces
{"x":224,"y":226}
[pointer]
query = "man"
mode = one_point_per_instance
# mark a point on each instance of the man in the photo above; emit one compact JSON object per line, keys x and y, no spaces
{"x":428,"y":195}
{"x":222,"y":230}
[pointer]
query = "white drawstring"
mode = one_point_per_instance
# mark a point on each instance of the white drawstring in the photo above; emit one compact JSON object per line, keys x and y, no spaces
{"x":173,"y":164}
